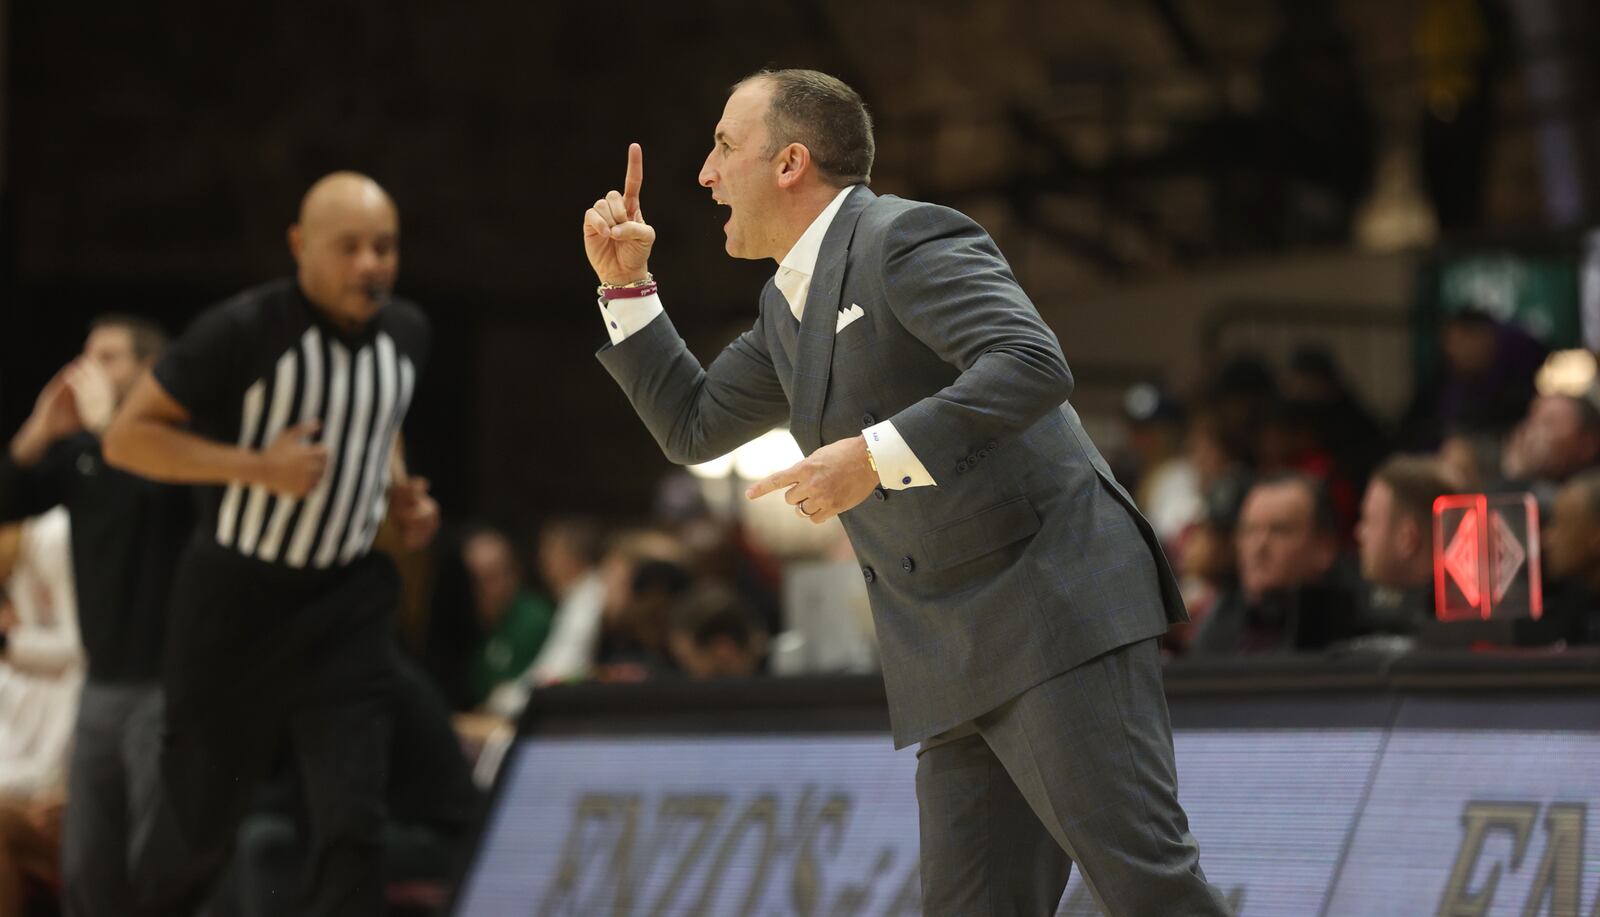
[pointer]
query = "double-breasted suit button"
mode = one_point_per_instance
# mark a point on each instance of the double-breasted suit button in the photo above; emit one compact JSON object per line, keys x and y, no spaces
{"x":880,"y":493}
{"x":868,"y":574}
{"x":972,"y":459}
{"x":961,"y":467}
{"x":867,"y":420}
{"x":991,"y":446}
{"x":907,"y":564}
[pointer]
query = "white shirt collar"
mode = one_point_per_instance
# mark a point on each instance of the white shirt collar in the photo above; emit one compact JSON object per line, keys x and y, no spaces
{"x":795,"y":270}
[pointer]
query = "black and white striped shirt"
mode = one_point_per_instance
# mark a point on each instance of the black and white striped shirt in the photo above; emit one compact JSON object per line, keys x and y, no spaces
{"x":267,"y":360}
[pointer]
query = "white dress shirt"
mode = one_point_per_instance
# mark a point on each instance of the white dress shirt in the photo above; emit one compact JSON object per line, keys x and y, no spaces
{"x":898,"y":466}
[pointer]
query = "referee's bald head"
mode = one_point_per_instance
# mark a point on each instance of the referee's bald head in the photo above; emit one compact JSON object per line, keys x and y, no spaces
{"x":340,"y":191}
{"x":347,"y":246}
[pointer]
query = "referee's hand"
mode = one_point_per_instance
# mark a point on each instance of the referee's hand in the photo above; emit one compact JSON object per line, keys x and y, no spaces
{"x":292,"y":465}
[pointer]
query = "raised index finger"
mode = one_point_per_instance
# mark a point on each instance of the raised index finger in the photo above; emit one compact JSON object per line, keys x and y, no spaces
{"x":635,"y":178}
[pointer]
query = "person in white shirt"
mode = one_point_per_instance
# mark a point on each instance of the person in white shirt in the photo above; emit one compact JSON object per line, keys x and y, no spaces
{"x":569,"y":555}
{"x":41,"y":670}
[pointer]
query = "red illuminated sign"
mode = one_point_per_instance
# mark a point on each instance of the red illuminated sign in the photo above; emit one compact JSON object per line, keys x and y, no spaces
{"x":1486,"y":557}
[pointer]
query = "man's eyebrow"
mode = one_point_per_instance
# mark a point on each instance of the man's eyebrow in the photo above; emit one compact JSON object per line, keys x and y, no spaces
{"x":720,"y":136}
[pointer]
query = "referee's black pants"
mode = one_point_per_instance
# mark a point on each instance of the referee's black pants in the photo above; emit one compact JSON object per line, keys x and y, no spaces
{"x":256,"y":657}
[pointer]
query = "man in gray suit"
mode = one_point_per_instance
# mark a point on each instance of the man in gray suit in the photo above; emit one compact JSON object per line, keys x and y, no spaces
{"x":1016,"y":591}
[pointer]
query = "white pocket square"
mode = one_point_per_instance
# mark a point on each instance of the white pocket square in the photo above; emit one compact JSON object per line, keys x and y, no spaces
{"x":846,"y":316}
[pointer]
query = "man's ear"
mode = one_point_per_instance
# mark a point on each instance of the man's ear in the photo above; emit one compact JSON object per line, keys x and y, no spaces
{"x":296,"y":240}
{"x":1410,"y":535}
{"x":794,"y":163}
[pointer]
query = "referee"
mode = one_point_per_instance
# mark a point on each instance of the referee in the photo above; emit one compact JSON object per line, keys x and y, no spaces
{"x":285,"y":404}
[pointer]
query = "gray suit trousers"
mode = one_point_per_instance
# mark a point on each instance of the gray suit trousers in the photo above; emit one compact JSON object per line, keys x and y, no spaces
{"x":1078,"y":769}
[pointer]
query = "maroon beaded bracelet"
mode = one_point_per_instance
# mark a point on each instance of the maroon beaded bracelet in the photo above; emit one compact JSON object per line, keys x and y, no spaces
{"x":648,"y":289}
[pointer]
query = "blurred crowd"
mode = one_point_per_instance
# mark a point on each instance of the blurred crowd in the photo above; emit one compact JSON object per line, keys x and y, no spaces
{"x":687,"y":598}
{"x":1300,"y":521}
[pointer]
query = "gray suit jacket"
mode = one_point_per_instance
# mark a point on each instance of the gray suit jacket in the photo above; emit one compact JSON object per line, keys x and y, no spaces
{"x":1028,"y":558}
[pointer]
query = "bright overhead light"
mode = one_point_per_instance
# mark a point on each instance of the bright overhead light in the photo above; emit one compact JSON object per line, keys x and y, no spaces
{"x":1567,"y":372}
{"x":714,"y":470}
{"x":772,"y":451}
{"x":767,"y":453}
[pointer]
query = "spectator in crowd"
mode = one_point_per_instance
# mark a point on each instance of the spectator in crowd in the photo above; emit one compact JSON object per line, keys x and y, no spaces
{"x":1485,"y":379}
{"x":1166,"y":484}
{"x":617,"y":625}
{"x":1292,"y":592}
{"x":1238,"y":399}
{"x":1559,"y":437}
{"x":1556,"y":442}
{"x":1570,"y":542}
{"x":433,"y":806}
{"x":1290,"y":440}
{"x":633,"y":641}
{"x":719,"y":545}
{"x":127,"y":533}
{"x":569,"y":560}
{"x":1395,"y":536}
{"x":625,"y":552}
{"x":41,"y":670}
{"x":713,"y":635}
{"x":1316,"y":385}
{"x":1220,"y":443}
{"x":41,"y":666}
{"x":1208,"y":564}
{"x":515,"y":620}
{"x":723,"y":550}
{"x":1212,"y":453}
{"x":1472,"y":457}
{"x":626,"y":624}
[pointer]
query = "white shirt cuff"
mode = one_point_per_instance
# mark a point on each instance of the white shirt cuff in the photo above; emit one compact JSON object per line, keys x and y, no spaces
{"x":625,"y":316}
{"x":898,"y":467}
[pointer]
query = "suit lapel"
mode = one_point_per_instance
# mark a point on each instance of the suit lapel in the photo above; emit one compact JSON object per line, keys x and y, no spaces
{"x":814,"y":354}
{"x":777,"y":309}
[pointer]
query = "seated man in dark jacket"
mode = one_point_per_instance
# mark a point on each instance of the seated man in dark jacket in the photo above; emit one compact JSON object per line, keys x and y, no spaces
{"x":1396,"y":538}
{"x":1294,"y":593}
